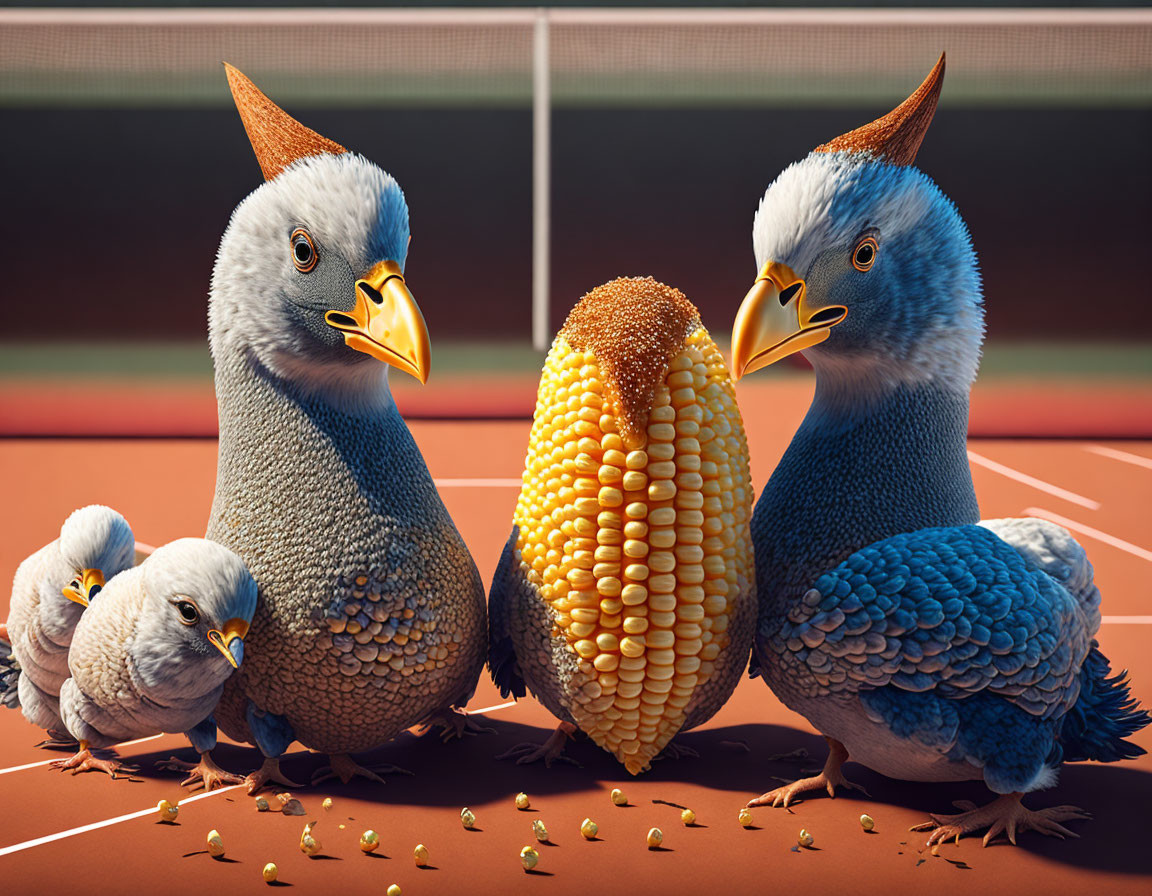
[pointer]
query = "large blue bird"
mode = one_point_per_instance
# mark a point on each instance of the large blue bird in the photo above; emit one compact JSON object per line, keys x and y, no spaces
{"x":921,"y":644}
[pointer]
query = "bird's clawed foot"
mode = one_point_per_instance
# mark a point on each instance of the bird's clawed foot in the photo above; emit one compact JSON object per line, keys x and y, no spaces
{"x":83,"y":761}
{"x":58,"y":740}
{"x":831,"y":777}
{"x":454,"y":724}
{"x":1005,"y":814}
{"x":268,"y":773}
{"x":346,"y":768}
{"x":783,"y":796}
{"x":205,"y":773}
{"x":550,"y":751}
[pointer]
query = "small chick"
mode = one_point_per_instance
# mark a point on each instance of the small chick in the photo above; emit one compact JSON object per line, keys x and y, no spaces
{"x":49,"y":593}
{"x":152,"y":655}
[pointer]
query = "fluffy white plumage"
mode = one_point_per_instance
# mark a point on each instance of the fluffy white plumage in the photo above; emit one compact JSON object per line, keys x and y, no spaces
{"x":137,"y":666}
{"x":1053,"y":549}
{"x":810,"y":219}
{"x":41,"y":620}
{"x":356,"y":214}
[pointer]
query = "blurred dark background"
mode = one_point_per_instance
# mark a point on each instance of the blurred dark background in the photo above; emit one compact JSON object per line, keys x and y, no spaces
{"x":112,"y":216}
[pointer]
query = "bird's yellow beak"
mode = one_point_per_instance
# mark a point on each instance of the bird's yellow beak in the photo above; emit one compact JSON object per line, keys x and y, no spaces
{"x":386,"y":322}
{"x":775,"y":321}
{"x":230,"y":641}
{"x":84,"y":587}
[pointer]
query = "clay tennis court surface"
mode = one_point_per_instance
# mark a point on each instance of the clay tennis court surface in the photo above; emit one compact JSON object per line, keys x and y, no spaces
{"x":95,"y":835}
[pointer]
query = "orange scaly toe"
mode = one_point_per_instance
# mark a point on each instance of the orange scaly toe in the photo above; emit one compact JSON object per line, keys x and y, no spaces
{"x":1005,"y":814}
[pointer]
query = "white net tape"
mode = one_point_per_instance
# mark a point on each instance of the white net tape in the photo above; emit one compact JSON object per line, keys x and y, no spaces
{"x":597,"y":57}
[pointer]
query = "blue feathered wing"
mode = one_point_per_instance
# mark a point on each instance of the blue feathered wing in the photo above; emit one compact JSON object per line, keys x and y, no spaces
{"x":952,"y":638}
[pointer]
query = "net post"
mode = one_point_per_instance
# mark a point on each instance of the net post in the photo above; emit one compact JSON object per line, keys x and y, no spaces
{"x":541,"y":181}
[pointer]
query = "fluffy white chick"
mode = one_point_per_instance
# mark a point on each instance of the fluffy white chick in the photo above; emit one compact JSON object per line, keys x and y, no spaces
{"x":50,"y":591}
{"x":152,"y":655}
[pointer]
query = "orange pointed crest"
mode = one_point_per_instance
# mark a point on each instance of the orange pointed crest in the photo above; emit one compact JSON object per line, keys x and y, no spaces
{"x":896,"y":137}
{"x":277,"y":138}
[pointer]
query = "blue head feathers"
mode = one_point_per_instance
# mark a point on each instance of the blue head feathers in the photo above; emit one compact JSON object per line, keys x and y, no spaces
{"x":865,"y":265}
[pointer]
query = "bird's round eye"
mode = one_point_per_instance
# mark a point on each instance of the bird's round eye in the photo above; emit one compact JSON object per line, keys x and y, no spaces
{"x":189,"y":615}
{"x":865,"y":254}
{"x":303,"y":251}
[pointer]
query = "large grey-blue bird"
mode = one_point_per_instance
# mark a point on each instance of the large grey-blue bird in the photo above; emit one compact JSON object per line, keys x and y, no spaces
{"x":372,"y":615}
{"x":50,"y":591}
{"x":920,"y":644}
{"x":153,"y":653}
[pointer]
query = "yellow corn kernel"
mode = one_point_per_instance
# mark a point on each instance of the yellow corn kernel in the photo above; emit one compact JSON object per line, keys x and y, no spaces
{"x":467,"y":818}
{"x":867,"y":822}
{"x":168,"y":811}
{"x":370,"y":841}
{"x":618,"y":797}
{"x":522,"y":801}
{"x":655,"y":838}
{"x":637,"y":510}
{"x":805,"y":839}
{"x":270,"y":873}
{"x":610,"y":497}
{"x":327,"y":804}
{"x":606,"y":662}
{"x":309,"y":845}
{"x":635,"y":625}
{"x":636,"y":460}
{"x":634,"y":594}
{"x":215,"y":844}
{"x":607,"y":642}
{"x":420,"y":855}
{"x":634,"y":480}
{"x":529,"y":858}
{"x":688,"y":817}
{"x":540,"y":831}
{"x":745,"y":818}
{"x":261,"y":804}
{"x":393,"y":890}
{"x":589,"y":829}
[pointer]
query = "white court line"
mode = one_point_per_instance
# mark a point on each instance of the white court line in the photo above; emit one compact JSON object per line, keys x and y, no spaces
{"x":1116,"y":454}
{"x":1126,"y":620}
{"x":1033,"y":481}
{"x":477,"y":483}
{"x":1074,"y":526}
{"x":151,"y":810}
{"x":491,"y":708}
{"x":20,"y":768}
{"x":96,"y":825}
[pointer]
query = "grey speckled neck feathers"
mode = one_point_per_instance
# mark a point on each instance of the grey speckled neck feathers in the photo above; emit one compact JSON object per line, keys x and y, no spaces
{"x":898,"y":466}
{"x":289,"y":426}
